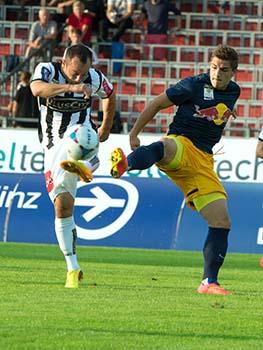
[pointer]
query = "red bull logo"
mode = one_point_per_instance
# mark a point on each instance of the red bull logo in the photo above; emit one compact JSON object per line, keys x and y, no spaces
{"x":219,"y":114}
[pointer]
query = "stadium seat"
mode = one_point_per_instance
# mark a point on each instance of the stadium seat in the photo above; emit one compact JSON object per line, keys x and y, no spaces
{"x":123,"y":103}
{"x":153,"y":69}
{"x":133,"y":36}
{"x":255,"y":109}
{"x":104,"y":65}
{"x":245,"y":74}
{"x":211,"y":38}
{"x":182,"y":38}
{"x":155,"y":52}
{"x":158,"y":87}
{"x":246,"y":91}
{"x":259,"y":92}
{"x":201,"y":21}
{"x":130,"y":68}
{"x":139,"y":103}
{"x":133,"y":51}
{"x":4,"y":49}
{"x":128,"y":87}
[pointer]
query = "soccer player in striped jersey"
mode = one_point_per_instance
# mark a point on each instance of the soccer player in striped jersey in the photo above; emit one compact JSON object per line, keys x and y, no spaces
{"x":65,"y":92}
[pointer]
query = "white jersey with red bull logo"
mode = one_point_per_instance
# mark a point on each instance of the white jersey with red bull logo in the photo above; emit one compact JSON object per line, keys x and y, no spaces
{"x":202,"y":110}
{"x":60,"y":112}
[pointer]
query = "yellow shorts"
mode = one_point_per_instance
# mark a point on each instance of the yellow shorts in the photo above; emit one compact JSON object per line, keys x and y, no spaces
{"x":193,"y":172}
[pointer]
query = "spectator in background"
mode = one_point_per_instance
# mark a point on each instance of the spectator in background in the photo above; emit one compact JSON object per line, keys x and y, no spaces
{"x":75,"y":38}
{"x":156,"y":15}
{"x":60,"y":17}
{"x":79,"y":19}
{"x":62,"y":6}
{"x":66,"y":6}
{"x":24,"y":104}
{"x":42,"y":30}
{"x":259,"y":154}
{"x":98,"y":7}
{"x":118,"y":15}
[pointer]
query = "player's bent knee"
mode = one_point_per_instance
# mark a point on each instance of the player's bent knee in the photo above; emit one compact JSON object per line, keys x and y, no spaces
{"x":173,"y":150}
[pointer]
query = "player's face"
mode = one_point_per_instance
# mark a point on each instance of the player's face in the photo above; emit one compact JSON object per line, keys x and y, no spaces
{"x":75,"y":70}
{"x":220,"y":73}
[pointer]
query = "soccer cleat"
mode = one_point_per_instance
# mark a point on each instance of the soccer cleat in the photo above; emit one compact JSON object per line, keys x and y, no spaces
{"x":78,"y":168}
{"x":119,"y":163}
{"x":261,"y":262}
{"x":73,"y":278}
{"x":212,"y":288}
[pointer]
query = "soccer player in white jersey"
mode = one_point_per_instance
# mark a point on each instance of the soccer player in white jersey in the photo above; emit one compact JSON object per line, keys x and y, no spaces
{"x":65,"y":90}
{"x":259,"y":154}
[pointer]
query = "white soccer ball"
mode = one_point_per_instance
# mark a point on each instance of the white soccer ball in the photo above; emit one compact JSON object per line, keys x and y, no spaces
{"x":82,"y":143}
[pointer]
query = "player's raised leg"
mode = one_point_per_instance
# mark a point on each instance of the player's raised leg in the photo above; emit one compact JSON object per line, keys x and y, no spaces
{"x":77,"y":167}
{"x":141,"y":158}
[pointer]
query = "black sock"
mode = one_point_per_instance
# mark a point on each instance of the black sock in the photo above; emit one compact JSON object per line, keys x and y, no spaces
{"x":145,"y":156}
{"x":214,"y":251}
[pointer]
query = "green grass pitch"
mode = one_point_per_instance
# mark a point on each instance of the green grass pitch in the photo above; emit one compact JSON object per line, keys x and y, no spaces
{"x":130,"y":299}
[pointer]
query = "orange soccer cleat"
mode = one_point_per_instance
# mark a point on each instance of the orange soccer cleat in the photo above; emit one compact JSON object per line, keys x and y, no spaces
{"x":212,"y":288}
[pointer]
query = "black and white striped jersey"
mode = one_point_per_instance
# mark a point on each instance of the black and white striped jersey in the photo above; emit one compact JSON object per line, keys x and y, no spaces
{"x":66,"y":109}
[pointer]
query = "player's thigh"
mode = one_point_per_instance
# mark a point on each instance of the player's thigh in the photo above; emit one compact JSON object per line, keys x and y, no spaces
{"x":57,"y":179}
{"x":216,"y":213}
{"x":172,"y":152}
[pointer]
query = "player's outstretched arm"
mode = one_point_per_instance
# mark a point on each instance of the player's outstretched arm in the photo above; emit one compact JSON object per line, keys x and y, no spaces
{"x":108,"y":108}
{"x":45,"y":90}
{"x":158,"y":103}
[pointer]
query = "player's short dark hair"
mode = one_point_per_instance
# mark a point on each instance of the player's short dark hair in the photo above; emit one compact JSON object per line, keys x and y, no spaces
{"x":226,"y":53}
{"x":81,"y":51}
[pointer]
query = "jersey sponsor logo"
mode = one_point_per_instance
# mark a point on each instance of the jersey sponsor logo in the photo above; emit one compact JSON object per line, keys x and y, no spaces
{"x":106,"y":87}
{"x":219,"y":114}
{"x":67,"y":104}
{"x":208,"y":92}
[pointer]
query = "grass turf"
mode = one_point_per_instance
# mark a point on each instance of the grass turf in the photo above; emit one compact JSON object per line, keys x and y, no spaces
{"x":130,"y":299}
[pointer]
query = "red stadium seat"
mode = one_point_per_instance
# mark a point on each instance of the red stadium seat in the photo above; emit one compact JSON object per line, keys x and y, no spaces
{"x":158,"y":87}
{"x":128,"y":87}
{"x":138,"y":104}
{"x":246,"y":92}
{"x":4,"y":49}
{"x":244,"y":75}
{"x":255,"y":110}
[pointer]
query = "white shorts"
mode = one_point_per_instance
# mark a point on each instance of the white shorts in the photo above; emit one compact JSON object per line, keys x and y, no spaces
{"x":57,"y":179}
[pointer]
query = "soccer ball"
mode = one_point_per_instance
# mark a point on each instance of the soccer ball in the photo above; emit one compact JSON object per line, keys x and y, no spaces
{"x":82,"y":143}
